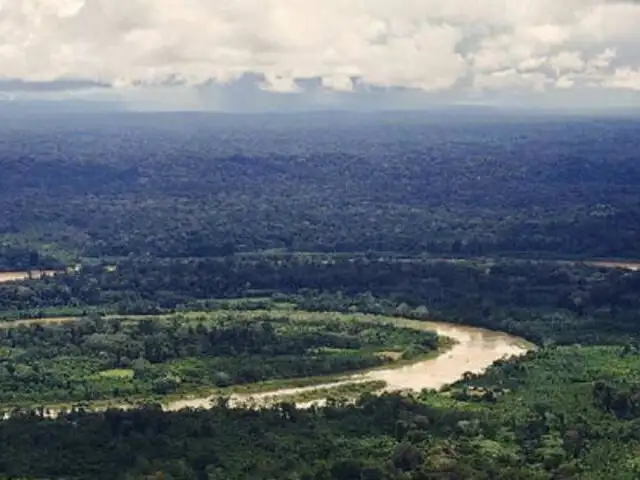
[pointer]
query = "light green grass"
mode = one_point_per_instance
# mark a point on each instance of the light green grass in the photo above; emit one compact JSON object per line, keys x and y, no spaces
{"x":120,"y":373}
{"x":349,"y":391}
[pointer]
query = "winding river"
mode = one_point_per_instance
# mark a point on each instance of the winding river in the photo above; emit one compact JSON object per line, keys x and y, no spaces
{"x":475,"y":350}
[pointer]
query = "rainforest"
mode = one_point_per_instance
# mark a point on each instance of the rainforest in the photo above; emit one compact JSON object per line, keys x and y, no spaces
{"x":321,"y":296}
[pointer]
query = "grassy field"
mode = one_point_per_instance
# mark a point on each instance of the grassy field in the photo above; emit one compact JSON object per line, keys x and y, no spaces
{"x":121,"y":373}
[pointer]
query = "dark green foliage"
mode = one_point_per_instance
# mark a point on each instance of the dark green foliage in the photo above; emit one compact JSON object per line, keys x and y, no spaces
{"x":543,"y":301}
{"x":20,"y":258}
{"x":202,"y":186}
{"x":194,"y":211}
{"x":100,"y":359}
{"x":549,"y":424}
{"x":562,"y":412}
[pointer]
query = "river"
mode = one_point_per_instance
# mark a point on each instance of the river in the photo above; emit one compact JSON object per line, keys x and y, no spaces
{"x":475,"y":350}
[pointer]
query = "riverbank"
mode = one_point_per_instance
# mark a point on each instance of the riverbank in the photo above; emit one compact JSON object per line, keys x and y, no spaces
{"x":473,"y":350}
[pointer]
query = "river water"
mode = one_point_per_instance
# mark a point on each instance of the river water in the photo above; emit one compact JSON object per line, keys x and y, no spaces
{"x":475,"y":350}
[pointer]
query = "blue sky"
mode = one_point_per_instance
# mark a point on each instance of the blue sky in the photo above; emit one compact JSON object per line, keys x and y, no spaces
{"x":284,"y":54}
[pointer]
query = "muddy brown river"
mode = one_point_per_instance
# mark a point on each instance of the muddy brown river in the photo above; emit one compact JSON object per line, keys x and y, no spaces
{"x":475,"y":350}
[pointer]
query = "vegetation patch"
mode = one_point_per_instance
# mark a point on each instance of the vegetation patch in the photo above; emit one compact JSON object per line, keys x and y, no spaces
{"x":119,"y":357}
{"x":340,"y":393}
{"x":568,"y":412}
{"x":121,"y":373}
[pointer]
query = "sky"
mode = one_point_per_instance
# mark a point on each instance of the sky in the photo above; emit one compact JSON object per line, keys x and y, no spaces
{"x":296,"y":54}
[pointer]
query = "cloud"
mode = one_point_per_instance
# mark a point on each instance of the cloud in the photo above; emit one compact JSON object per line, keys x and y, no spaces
{"x":344,"y":45}
{"x":626,"y":78}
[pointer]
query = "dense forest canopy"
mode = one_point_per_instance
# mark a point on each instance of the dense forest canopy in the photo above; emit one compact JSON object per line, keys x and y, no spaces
{"x":553,"y":414}
{"x":199,"y":253}
{"x":207,"y":185}
{"x":543,"y":301}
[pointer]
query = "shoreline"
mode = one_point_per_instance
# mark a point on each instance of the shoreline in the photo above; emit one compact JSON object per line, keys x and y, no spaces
{"x":473,"y":350}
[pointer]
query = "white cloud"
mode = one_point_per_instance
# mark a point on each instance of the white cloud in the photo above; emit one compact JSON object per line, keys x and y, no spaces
{"x":567,"y":61}
{"x":511,"y":79}
{"x":625,"y":78}
{"x":430,"y":45}
{"x":565,"y":82}
{"x":339,"y":83}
